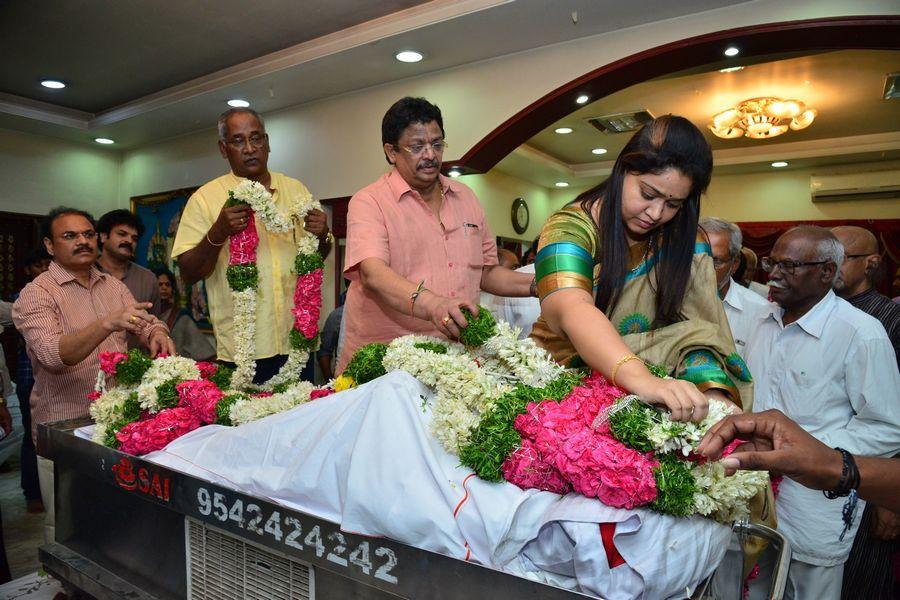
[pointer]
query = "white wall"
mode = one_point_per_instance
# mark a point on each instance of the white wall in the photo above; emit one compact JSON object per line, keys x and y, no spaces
{"x":39,"y":173}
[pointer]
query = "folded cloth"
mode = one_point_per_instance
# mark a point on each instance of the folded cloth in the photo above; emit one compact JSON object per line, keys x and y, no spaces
{"x":365,"y":459}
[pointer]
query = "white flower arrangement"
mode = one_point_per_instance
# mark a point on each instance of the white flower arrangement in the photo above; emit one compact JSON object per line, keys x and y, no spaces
{"x":725,"y":498}
{"x":246,"y":410}
{"x":244,"y":309}
{"x":667,"y":435}
{"x":106,"y":409}
{"x":522,"y":358}
{"x":162,"y":370}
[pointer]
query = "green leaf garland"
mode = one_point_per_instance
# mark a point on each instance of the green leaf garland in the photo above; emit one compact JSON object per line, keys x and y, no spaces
{"x":366,"y":363}
{"x":242,"y":277}
{"x":480,"y":327}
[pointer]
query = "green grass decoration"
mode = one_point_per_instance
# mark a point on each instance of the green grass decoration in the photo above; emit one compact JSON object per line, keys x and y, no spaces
{"x":223,"y":408}
{"x":301,"y":342}
{"x":657,"y":370}
{"x":167,"y":395}
{"x":675,"y":487}
{"x":631,"y":425}
{"x":366,"y":363}
{"x":130,"y":371}
{"x":432,"y":347}
{"x":495,"y":437}
{"x":242,"y":277}
{"x":282,"y":387}
{"x":222,"y":377}
{"x":131,"y":412}
{"x":307,"y":263}
{"x":480,"y":327}
{"x":232,"y":201}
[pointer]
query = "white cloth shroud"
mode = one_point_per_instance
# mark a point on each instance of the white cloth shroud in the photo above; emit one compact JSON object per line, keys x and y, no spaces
{"x":364,"y":459}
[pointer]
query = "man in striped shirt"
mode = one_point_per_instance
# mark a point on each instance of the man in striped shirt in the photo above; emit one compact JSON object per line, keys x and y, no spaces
{"x":68,"y":315}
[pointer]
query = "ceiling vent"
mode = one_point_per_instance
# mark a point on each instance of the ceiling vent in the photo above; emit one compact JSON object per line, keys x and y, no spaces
{"x":621,"y":122}
{"x":892,"y":86}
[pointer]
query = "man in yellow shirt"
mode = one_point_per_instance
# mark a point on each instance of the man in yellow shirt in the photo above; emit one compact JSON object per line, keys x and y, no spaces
{"x":206,"y":226}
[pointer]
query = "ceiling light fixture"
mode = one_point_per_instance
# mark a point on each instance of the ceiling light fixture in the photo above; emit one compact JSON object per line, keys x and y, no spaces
{"x":599,"y":150}
{"x":238,"y":103}
{"x":563,"y":130}
{"x":582,"y":99}
{"x":454,"y":173}
{"x":762,"y":118}
{"x":409,"y":56}
{"x":731,"y":69}
{"x":732,"y":51}
{"x":53,"y":84}
{"x":104,"y":141}
{"x":562,"y":184}
{"x":778,"y":164}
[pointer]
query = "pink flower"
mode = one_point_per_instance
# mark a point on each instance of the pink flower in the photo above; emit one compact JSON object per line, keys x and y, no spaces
{"x":262,"y":395}
{"x":320,"y":393}
{"x":242,"y":245}
{"x":109,"y":360}
{"x":207,"y":369}
{"x":94,"y":395}
{"x":153,"y":434}
{"x":307,"y":303}
{"x":560,"y":450}
{"x":201,"y":397}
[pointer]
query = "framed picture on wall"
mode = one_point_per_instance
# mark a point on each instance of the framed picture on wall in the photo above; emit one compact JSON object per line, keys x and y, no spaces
{"x":161,"y":213}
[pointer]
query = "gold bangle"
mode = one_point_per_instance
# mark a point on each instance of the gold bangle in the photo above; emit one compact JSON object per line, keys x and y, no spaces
{"x":622,"y":361}
{"x":212,"y":243}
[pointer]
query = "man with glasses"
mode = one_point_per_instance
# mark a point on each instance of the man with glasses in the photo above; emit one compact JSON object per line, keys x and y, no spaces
{"x":741,"y":304}
{"x":68,"y":316}
{"x":830,"y":368}
{"x":206,"y":225}
{"x":418,"y":244}
{"x":869,"y":571}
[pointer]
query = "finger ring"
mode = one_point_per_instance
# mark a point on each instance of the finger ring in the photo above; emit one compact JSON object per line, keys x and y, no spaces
{"x":132,"y":319}
{"x":446,"y":319}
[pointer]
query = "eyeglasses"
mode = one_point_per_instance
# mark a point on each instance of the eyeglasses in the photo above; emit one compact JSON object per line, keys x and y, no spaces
{"x":256,"y":140}
{"x":786,"y":266}
{"x":71,"y":236}
{"x":417,"y":149}
{"x":850,"y":256}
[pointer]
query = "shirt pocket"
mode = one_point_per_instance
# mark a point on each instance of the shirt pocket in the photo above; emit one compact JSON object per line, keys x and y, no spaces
{"x":472,"y":241}
{"x":804,"y":393}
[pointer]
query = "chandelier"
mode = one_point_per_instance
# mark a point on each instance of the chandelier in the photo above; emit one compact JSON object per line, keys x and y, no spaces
{"x":762,"y":118}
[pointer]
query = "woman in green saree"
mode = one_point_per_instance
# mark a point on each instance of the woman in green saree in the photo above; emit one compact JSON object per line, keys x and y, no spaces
{"x":625,"y":282}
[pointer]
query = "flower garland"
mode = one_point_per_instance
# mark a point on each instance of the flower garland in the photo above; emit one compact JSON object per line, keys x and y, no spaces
{"x":171,"y":396}
{"x":243,"y":280}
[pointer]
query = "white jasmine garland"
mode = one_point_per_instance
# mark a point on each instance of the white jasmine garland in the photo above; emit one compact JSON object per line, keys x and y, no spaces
{"x":106,"y":409}
{"x":244,"y":309}
{"x":668,"y":436}
{"x":162,"y":370}
{"x":522,"y":358}
{"x":722,"y":497}
{"x":246,"y":410}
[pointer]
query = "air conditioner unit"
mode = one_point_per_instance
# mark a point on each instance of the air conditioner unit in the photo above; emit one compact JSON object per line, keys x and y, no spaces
{"x":871,"y":185}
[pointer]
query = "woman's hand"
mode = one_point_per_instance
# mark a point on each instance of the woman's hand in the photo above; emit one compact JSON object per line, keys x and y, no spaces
{"x":682,"y":398}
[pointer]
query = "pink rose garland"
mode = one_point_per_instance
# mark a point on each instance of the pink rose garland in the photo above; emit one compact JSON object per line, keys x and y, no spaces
{"x":109,"y":360}
{"x":201,"y":397}
{"x":308,"y":303}
{"x":153,"y":434}
{"x":560,"y":450}
{"x":242,"y":245}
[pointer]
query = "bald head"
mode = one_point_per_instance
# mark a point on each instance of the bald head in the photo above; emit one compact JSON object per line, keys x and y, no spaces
{"x":861,"y":260}
{"x":507,"y":258}
{"x":804,"y":264}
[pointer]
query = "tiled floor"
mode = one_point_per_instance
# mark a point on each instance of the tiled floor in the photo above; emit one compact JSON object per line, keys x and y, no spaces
{"x":22,"y":531}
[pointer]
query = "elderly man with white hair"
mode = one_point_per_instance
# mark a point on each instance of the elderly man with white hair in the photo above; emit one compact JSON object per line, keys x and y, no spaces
{"x":830,"y":368}
{"x":741,"y":304}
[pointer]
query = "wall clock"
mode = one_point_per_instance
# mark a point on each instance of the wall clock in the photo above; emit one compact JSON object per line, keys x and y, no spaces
{"x":519,"y":215}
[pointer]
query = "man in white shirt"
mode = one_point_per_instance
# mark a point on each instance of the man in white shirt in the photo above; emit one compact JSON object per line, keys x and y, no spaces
{"x":741,"y":305}
{"x":830,"y":368}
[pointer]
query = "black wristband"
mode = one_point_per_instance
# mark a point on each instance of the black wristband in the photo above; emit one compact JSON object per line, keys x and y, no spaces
{"x":849,"y":477}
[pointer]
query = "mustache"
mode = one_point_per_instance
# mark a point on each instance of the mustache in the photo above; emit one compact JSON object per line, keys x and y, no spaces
{"x":425,"y":164}
{"x":80,"y":249}
{"x":776,"y":285}
{"x":126,"y":245}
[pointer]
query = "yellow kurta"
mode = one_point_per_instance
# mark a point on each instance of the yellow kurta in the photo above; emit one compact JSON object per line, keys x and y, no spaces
{"x":274,"y":259}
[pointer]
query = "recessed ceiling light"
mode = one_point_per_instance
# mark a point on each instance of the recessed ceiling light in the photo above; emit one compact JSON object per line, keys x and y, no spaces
{"x":779,"y":164}
{"x":409,"y":56}
{"x":731,"y":69}
{"x":53,"y":84}
{"x":237,"y":103}
{"x":732,"y":51}
{"x":599,"y":150}
{"x":563,"y":130}
{"x":454,"y":173}
{"x":104,"y":141}
{"x":562,"y":184}
{"x":582,"y":99}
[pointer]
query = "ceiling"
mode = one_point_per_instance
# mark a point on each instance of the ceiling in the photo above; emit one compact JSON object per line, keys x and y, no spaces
{"x":854,"y":124}
{"x":140,"y":71}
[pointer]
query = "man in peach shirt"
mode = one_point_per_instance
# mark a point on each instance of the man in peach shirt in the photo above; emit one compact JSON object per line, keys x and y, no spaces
{"x":418,"y":245}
